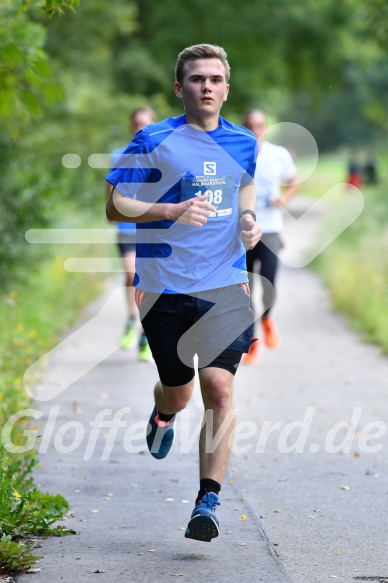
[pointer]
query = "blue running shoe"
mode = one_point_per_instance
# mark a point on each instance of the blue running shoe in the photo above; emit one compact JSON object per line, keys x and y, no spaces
{"x":160,"y":435}
{"x":204,"y":523}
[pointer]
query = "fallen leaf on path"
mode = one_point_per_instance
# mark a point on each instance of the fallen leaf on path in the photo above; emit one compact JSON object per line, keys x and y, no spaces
{"x":169,"y":500}
{"x":37,"y":570}
{"x":141,"y":553}
{"x":244,"y":517}
{"x":76,"y":408}
{"x":99,"y":571}
{"x":151,"y":551}
{"x":345,"y":488}
{"x":277,"y":509}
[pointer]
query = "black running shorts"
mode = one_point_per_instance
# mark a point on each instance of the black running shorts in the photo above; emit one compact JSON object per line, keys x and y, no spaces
{"x":217,"y":325}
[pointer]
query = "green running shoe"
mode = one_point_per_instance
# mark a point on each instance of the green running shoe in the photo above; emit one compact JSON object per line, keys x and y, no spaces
{"x":128,"y":339}
{"x":144,"y":349}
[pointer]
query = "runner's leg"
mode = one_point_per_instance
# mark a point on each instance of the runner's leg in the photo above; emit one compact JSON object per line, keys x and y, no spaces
{"x":216,"y":389}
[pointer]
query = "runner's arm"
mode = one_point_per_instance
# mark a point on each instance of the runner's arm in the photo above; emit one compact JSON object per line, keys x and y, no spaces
{"x":292,"y":186}
{"x":194,"y":211}
{"x":250,"y":230}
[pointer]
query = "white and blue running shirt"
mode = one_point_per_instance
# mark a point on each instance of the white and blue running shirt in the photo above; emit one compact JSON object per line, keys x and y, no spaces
{"x":169,"y":162}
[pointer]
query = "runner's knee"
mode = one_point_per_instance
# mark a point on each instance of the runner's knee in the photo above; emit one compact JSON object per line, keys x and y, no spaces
{"x":177,"y":397}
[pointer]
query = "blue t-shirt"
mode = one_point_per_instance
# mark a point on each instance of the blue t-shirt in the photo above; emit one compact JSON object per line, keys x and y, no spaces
{"x":127,"y":229}
{"x":172,"y":161}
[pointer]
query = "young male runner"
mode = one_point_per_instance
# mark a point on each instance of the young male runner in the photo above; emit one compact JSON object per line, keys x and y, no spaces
{"x":274,"y":168}
{"x":192,"y":177}
{"x":126,"y":241}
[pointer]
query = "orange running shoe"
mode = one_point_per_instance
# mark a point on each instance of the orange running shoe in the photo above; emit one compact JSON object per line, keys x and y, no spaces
{"x":252,"y":356}
{"x":271,"y":333}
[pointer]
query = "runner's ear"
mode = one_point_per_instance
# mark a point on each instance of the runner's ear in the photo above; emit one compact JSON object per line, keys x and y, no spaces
{"x":178,"y":90}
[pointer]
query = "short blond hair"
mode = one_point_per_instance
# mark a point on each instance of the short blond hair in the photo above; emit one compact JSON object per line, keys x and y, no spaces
{"x":202,"y":51}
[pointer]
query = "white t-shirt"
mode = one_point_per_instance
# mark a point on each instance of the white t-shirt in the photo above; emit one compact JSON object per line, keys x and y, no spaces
{"x":274,"y":167}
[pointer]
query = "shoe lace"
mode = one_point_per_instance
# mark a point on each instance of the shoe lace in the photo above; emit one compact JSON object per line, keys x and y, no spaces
{"x":210,"y":501}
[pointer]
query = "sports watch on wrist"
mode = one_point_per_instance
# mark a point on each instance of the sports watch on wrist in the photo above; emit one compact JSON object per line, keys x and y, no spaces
{"x":248,"y":212}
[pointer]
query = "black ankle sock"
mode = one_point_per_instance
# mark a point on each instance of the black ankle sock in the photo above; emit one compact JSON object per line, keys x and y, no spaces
{"x":207,"y":485}
{"x":165,"y":417}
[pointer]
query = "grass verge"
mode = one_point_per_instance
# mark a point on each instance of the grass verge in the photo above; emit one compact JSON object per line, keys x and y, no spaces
{"x":34,"y":314}
{"x":355,"y":268}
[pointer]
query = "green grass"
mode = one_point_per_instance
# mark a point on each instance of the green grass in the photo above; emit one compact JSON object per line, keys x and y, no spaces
{"x":34,"y":313}
{"x":355,"y":265}
{"x":331,"y":169}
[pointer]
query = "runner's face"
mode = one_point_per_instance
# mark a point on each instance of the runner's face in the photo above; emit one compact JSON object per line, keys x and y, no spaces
{"x":204,"y":88}
{"x":256,"y":122}
{"x":141,"y":119}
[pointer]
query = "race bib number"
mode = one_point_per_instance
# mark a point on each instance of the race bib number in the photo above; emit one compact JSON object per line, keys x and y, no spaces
{"x":219,"y":190}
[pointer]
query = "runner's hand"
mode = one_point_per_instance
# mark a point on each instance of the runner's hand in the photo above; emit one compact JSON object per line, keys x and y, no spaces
{"x":250,"y":231}
{"x":195,"y":211}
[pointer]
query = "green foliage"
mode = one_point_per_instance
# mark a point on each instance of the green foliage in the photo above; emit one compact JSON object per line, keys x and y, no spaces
{"x":355,"y":268}
{"x":375,"y":19}
{"x":15,"y":555}
{"x":31,"y":323}
{"x":283,"y":44}
{"x":24,"y":511}
{"x":25,"y":73}
{"x":354,"y":114}
{"x":51,"y":7}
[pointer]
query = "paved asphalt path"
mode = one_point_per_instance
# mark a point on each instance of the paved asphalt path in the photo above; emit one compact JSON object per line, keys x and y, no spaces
{"x":304,"y":500}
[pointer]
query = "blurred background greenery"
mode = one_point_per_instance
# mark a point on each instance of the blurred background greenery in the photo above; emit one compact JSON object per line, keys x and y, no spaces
{"x":72,"y":70}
